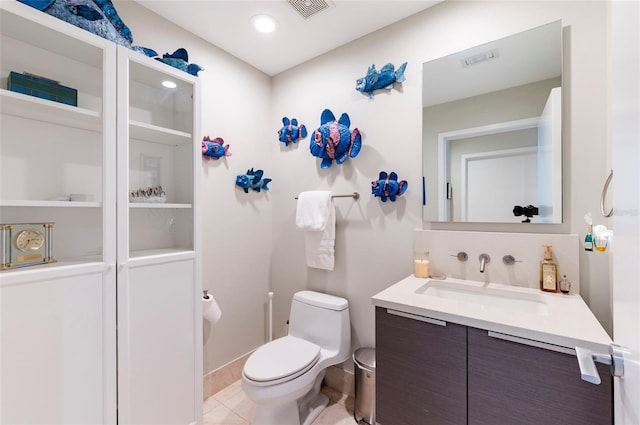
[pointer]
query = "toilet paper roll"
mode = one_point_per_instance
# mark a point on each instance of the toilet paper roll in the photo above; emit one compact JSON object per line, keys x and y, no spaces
{"x":210,"y":309}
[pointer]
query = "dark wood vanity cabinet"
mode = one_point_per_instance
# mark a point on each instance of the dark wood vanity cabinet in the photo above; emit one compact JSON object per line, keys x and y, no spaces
{"x":432,"y":374}
{"x":513,"y":383}
{"x":421,"y":371}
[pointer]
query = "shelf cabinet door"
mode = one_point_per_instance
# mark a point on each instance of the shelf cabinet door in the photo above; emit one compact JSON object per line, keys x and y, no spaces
{"x":58,"y":350}
{"x":157,"y":147}
{"x":421,"y":371}
{"x":512,"y":383}
{"x":157,"y":357}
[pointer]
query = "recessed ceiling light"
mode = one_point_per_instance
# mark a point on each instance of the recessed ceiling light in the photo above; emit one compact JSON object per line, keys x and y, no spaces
{"x":264,"y":23}
{"x":169,"y":84}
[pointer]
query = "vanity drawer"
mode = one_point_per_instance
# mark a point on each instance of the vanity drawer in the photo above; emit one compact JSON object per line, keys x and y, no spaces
{"x":514,"y":383}
{"x":421,"y":371}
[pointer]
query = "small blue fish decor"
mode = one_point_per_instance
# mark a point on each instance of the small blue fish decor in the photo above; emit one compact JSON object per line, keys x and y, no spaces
{"x":252,"y":180}
{"x":180,"y":60}
{"x":333,"y":140}
{"x":291,"y":131}
{"x":388,"y":186}
{"x":96,"y":16}
{"x":384,"y":79}
{"x":214,"y":149}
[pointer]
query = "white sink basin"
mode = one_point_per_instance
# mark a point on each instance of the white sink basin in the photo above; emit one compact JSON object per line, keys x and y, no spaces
{"x":488,"y":297}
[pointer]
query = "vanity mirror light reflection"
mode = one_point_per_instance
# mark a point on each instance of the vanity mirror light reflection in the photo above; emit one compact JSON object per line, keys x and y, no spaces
{"x":492,"y":131}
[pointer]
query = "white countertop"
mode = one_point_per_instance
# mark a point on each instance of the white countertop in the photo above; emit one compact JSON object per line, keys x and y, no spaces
{"x":565,"y":322}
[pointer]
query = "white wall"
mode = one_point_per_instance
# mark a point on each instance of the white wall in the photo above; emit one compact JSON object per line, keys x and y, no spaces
{"x":250,"y":241}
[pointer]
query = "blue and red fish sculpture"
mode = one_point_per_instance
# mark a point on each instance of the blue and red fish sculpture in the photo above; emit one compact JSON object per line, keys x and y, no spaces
{"x":252,"y":180}
{"x":333,"y":140}
{"x":214,"y":149}
{"x":388,"y":186}
{"x":384,"y":79}
{"x":291,"y":131}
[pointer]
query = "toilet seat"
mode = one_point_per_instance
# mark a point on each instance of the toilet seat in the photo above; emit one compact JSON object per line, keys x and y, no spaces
{"x":281,"y":360}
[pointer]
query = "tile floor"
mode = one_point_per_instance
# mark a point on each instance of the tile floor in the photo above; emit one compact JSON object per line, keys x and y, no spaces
{"x":231,"y":406}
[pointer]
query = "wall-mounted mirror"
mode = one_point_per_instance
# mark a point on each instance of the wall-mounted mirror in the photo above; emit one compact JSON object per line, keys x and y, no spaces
{"x":492,"y":131}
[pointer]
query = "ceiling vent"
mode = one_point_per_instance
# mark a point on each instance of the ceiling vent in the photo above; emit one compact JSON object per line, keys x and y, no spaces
{"x":308,"y":8}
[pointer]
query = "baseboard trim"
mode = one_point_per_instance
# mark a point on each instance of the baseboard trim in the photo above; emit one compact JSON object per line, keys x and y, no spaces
{"x":224,"y":376}
{"x":340,"y":380}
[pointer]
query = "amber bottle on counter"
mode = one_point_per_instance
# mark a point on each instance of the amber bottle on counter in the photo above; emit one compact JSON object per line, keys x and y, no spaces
{"x":548,"y":272}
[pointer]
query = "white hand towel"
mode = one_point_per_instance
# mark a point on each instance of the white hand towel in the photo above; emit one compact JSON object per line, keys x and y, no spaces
{"x":316,"y":216}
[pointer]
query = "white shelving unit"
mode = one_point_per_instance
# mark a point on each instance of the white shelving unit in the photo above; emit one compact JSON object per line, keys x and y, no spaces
{"x":160,"y":274}
{"x":59,"y":347}
{"x":58,"y":320}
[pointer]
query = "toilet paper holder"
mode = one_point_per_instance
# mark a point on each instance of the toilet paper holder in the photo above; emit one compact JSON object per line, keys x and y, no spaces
{"x":210,"y":308}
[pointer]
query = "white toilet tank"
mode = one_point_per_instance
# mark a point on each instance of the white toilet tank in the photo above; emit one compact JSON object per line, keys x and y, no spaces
{"x":322,"y":319}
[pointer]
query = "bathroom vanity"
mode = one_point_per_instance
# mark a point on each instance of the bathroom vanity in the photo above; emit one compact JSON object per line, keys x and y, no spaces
{"x":464,"y":352}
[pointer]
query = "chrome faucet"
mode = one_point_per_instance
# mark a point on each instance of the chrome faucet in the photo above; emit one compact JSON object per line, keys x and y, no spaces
{"x":484,"y":259}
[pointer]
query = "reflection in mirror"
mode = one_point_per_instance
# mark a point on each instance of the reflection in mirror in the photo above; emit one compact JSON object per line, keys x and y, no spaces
{"x":492,"y":130}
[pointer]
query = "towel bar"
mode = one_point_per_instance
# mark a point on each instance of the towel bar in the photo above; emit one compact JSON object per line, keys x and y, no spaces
{"x":354,"y":195}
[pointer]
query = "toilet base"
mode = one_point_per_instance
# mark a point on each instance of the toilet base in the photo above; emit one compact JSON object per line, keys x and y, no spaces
{"x":291,"y":413}
{"x":313,"y":409}
{"x":313,"y":403}
{"x":302,"y":411}
{"x":284,"y":414}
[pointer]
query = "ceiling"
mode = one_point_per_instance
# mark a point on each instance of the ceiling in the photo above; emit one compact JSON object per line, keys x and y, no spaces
{"x":227,"y":24}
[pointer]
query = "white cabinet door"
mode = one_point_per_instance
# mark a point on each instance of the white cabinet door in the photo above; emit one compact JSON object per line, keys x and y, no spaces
{"x":58,"y":349}
{"x":157,"y":365}
{"x":626,"y":203}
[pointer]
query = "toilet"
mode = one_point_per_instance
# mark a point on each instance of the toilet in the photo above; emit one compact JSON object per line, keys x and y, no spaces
{"x":283,"y":377}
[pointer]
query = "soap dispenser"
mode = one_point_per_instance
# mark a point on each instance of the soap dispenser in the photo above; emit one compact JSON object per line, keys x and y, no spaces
{"x":548,"y":272}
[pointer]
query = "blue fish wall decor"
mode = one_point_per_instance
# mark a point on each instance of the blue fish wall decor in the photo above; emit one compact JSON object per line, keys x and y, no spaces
{"x":252,"y":180}
{"x":214,"y":149}
{"x":180,"y":60}
{"x":291,"y":131}
{"x":388,"y":186}
{"x":333,"y":140}
{"x":96,"y":16}
{"x":384,"y":79}
{"x":101,"y":18}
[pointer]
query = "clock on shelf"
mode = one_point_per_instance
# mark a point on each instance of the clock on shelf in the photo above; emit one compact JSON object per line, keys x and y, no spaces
{"x":25,"y":244}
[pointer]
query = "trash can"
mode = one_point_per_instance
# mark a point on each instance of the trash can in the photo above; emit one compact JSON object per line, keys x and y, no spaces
{"x":364,"y":411}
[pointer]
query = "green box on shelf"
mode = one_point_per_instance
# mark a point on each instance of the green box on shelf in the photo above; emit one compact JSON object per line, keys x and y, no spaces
{"x":43,"y":88}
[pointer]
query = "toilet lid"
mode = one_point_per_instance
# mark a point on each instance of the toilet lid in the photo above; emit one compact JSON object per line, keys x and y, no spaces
{"x":284,"y":357}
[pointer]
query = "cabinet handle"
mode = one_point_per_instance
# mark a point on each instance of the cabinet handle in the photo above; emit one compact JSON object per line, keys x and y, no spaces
{"x":603,"y":196}
{"x":532,"y":343}
{"x":416,"y":317}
